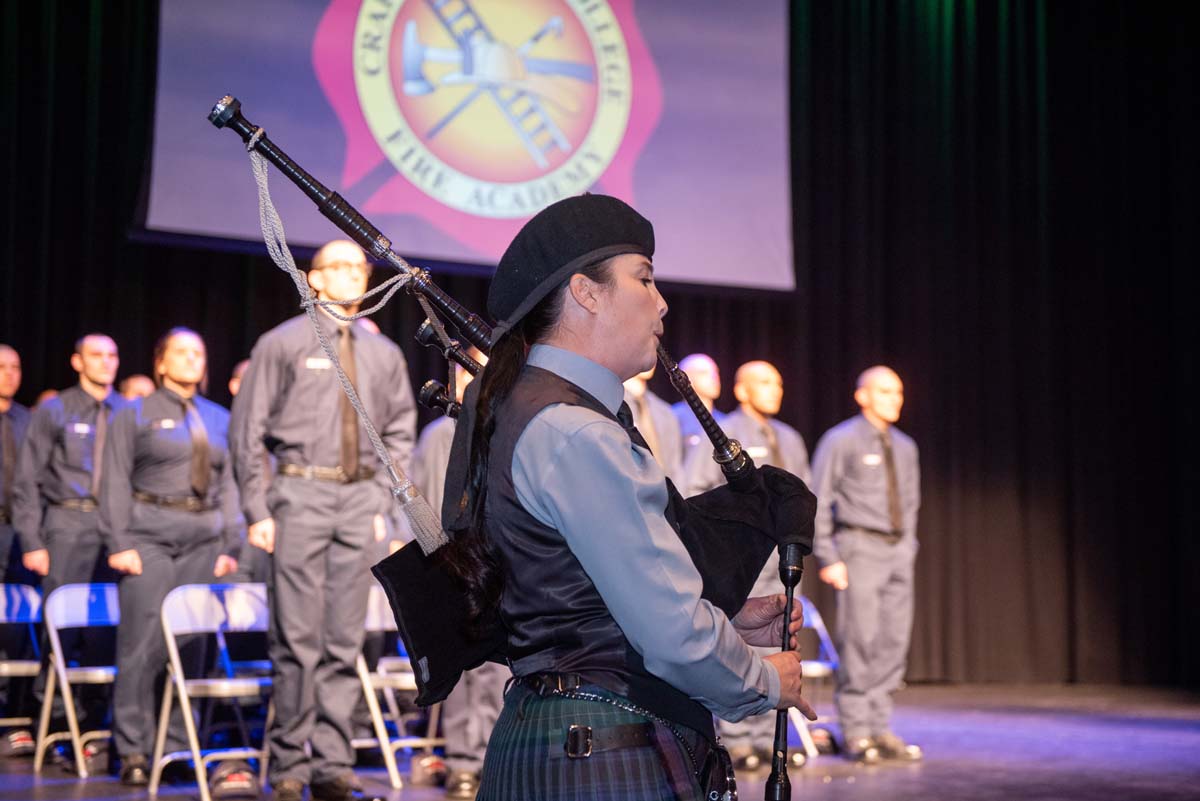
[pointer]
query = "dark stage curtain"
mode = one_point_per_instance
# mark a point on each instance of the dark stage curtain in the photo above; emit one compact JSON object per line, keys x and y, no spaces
{"x":997,"y":198}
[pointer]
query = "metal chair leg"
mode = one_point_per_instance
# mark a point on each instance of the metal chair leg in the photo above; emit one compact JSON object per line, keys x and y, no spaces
{"x":43,"y":731}
{"x":160,"y":737}
{"x":385,"y":743}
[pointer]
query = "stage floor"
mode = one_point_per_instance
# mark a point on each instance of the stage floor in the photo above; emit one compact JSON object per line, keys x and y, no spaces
{"x":983,"y":742}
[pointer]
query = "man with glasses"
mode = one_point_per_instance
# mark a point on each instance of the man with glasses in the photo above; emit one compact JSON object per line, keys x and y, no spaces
{"x":325,"y":504}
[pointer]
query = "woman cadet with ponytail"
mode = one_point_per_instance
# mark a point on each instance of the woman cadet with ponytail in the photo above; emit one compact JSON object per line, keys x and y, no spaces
{"x":618,"y":662}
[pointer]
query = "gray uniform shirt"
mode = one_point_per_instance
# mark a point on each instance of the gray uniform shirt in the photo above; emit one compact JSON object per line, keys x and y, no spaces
{"x":666,"y":429}
{"x":55,"y":464}
{"x":578,"y":472}
{"x":691,"y":432}
{"x":18,"y":418}
{"x":431,"y":458}
{"x":701,"y":473}
{"x":290,"y":404}
{"x":149,"y":449}
{"x":850,"y":481}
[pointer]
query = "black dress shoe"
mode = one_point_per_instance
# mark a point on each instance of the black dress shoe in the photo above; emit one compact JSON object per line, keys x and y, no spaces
{"x":135,"y":770}
{"x":862,"y":750}
{"x":340,"y":788}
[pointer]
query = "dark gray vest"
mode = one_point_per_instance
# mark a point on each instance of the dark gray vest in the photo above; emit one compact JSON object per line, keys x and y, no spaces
{"x":555,"y":618}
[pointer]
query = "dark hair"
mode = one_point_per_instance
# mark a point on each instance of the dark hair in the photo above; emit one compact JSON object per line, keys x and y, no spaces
{"x":160,"y":350}
{"x":470,"y":555}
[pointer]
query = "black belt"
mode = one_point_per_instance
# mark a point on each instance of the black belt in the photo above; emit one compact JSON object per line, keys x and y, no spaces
{"x":550,"y":683}
{"x":582,"y":741}
{"x":188,"y":503}
{"x":335,"y":474}
{"x":77,"y":504}
{"x":891,"y":537}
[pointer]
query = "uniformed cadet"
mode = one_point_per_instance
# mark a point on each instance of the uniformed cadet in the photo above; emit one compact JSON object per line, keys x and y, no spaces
{"x":15,"y":700}
{"x":319,"y":515}
{"x":169,"y":511}
{"x":758,"y":388}
{"x":55,"y":498}
{"x":620,"y":663}
{"x":867,"y":479}
{"x":702,"y":371}
{"x":653,"y":417}
{"x":60,"y":470}
{"x":254,"y":564}
{"x":14,"y":421}
{"x":469,"y":713}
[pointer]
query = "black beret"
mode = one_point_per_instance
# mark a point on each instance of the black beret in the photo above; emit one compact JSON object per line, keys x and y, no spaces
{"x":560,"y":240}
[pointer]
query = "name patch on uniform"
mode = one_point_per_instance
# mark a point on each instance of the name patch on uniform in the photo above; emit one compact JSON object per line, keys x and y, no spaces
{"x":166,"y":424}
{"x":872,"y":459}
{"x":81,"y":428}
{"x":317,"y":363}
{"x":756,"y":451}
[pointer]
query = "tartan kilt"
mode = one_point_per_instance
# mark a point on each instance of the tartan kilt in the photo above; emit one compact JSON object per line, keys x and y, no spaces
{"x":525,"y":759}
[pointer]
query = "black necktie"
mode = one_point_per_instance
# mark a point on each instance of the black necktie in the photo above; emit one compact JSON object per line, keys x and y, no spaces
{"x":644,"y":423}
{"x":893,"y":486}
{"x":349,"y":418}
{"x":8,"y":457}
{"x":625,"y":415}
{"x":100,"y":432}
{"x":200,"y":468}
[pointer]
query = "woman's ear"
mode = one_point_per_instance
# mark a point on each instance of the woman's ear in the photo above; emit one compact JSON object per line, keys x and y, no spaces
{"x":583,"y":291}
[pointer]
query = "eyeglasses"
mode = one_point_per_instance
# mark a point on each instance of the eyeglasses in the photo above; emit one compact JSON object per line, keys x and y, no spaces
{"x":338,"y":266}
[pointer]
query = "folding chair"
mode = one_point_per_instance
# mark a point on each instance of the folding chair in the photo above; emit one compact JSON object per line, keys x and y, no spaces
{"x":392,"y":674}
{"x":215,"y":609}
{"x":821,"y":668}
{"x":74,"y":606}
{"x":21,"y":605}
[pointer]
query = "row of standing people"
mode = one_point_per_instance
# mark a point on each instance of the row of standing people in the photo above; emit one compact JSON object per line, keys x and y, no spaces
{"x":270,"y":433}
{"x":866,"y":476}
{"x":157,"y":492}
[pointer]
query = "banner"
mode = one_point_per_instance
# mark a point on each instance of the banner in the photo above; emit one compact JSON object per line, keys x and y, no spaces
{"x":450,"y":122}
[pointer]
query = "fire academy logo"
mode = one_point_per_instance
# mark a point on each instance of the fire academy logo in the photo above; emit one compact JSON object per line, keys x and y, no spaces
{"x":495,"y":109}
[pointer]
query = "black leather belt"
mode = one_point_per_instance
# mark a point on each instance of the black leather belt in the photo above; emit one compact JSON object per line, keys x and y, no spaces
{"x":77,"y":504}
{"x":315,"y":473}
{"x":550,"y":683}
{"x":186,"y":504}
{"x":891,"y":537}
{"x":582,"y":741}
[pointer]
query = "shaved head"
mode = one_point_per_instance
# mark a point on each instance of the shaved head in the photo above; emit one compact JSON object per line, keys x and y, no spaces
{"x":880,"y":394}
{"x":758,"y":387}
{"x":705,"y":377}
{"x":339,"y":250}
{"x":874,"y":374}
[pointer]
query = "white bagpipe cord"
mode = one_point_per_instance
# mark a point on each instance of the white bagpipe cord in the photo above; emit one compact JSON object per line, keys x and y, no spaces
{"x":425,"y":522}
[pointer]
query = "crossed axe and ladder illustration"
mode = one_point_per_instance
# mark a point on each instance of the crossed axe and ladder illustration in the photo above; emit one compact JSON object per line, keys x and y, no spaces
{"x":519,"y":83}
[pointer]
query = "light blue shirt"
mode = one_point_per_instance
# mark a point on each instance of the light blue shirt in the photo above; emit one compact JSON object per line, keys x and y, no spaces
{"x":577,"y":472}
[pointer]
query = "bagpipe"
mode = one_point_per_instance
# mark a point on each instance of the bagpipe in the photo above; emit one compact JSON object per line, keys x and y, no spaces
{"x":729,"y":531}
